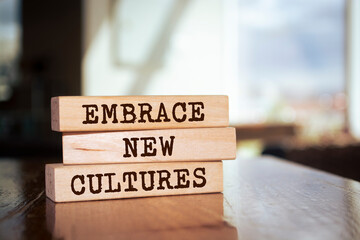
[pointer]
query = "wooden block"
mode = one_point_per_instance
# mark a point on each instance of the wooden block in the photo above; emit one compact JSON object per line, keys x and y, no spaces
{"x":77,"y":114}
{"x":111,"y":181}
{"x":197,"y":144}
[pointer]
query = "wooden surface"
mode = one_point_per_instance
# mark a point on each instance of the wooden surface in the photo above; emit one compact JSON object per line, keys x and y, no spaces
{"x":194,"y":215}
{"x":267,"y":132}
{"x":68,"y":183}
{"x":263,"y":198}
{"x":79,"y":113}
{"x":197,"y":144}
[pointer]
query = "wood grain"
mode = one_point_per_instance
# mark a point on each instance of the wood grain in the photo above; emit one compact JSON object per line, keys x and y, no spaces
{"x":264,"y":198}
{"x":197,"y":144}
{"x":79,"y":113}
{"x":275,"y":199}
{"x":112,"y":181}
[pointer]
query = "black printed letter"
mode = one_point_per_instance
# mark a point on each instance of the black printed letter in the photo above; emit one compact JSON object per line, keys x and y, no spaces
{"x":203,"y":183}
{"x":144,"y":112}
{"x":81,"y":177}
{"x":167,"y":146}
{"x":128,"y":112}
{"x":131,"y":187}
{"x":90,"y":176}
{"x":162,"y":113}
{"x":90,"y":113}
{"x":110,"y":183}
{"x":183,"y":106}
{"x":151,"y":173}
{"x":182,"y":178}
{"x":128,"y":145}
{"x":164,"y":179}
{"x":109,"y":113}
{"x":148,"y":146}
{"x":196,"y":111}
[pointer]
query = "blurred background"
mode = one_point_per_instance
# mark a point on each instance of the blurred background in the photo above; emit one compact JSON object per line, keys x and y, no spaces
{"x":290,"y":68}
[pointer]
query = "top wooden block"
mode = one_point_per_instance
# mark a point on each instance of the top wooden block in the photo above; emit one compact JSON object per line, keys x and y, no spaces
{"x":79,"y":114}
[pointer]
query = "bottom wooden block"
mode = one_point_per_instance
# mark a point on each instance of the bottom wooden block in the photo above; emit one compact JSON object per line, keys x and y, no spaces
{"x":110,"y":181}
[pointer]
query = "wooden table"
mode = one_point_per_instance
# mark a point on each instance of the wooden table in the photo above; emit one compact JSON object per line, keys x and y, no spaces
{"x":265,"y":132}
{"x":264,"y":198}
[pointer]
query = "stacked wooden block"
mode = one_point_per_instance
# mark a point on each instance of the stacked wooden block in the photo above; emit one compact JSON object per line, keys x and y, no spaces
{"x":139,"y":146}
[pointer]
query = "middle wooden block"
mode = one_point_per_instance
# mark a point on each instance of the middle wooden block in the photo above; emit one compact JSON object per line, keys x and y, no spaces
{"x":197,"y":144}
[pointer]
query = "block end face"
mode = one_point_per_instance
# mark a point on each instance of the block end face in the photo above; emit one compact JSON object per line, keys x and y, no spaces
{"x":221,"y":177}
{"x":50,"y":182}
{"x":233,"y":142}
{"x":55,"y":114}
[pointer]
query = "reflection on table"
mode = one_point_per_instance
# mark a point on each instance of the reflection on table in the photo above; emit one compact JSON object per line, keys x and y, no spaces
{"x":170,"y":217}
